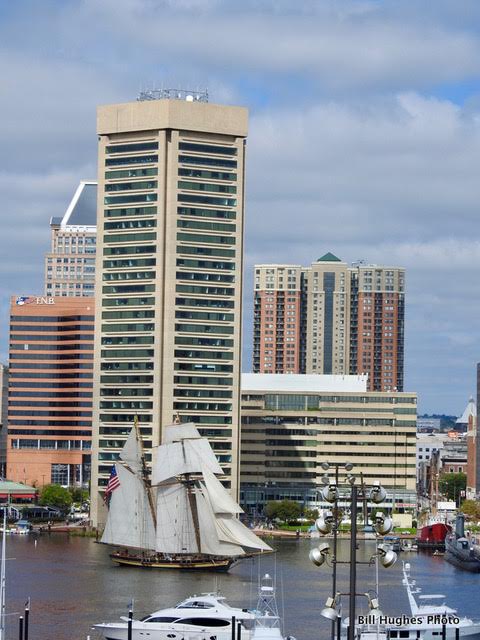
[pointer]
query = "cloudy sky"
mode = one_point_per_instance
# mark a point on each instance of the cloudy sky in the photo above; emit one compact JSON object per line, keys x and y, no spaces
{"x":364,"y":139}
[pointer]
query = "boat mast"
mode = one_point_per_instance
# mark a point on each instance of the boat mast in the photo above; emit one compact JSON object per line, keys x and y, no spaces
{"x":191,"y":497}
{"x":193,"y":508}
{"x":2,"y":578}
{"x":145,"y":477}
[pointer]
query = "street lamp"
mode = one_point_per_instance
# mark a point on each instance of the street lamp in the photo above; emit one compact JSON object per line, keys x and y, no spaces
{"x":329,"y":521}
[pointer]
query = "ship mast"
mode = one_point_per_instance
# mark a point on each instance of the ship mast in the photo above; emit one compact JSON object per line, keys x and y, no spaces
{"x":145,"y":477}
{"x":191,"y":497}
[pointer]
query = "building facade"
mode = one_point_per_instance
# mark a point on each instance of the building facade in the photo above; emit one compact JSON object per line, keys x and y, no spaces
{"x":278,"y":317}
{"x":50,"y":390}
{"x":291,"y":424}
{"x":344,"y":320}
{"x":168,"y":276}
{"x":70,"y":263}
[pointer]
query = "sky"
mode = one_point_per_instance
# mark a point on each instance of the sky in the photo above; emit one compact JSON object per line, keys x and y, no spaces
{"x":364,"y":140}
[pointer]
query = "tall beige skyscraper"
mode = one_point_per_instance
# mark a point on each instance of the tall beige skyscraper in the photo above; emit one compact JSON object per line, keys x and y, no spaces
{"x":168,"y":275}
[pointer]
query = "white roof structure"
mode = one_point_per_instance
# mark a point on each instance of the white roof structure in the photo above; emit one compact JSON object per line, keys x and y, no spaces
{"x":470,"y":410}
{"x":303,"y":383}
{"x":81,"y":213}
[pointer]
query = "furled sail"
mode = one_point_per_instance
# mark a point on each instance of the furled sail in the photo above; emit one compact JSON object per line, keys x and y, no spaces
{"x":129,"y":521}
{"x":180,"y":458}
{"x":175,"y":528}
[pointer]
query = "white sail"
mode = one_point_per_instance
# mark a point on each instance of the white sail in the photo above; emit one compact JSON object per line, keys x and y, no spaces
{"x":131,"y":453}
{"x":179,"y":458}
{"x":233,"y":530}
{"x":175,"y":528}
{"x":129,"y":521}
{"x":210,"y":542}
{"x":178,"y":432}
{"x":220,"y":499}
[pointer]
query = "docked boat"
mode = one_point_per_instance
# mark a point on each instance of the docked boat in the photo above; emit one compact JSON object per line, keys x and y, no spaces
{"x":459,"y":550}
{"x":432,"y":535}
{"x":183,"y":518}
{"x":205,"y":617}
{"x":430,"y":620}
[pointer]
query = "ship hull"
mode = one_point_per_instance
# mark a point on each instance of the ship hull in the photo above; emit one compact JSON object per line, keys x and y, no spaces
{"x":432,"y":536}
{"x":199,"y":563}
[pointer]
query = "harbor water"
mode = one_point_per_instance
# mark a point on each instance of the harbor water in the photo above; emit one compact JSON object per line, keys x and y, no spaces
{"x":73,"y":584}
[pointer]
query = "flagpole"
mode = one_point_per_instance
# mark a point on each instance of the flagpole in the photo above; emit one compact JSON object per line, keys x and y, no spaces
{"x":2,"y":578}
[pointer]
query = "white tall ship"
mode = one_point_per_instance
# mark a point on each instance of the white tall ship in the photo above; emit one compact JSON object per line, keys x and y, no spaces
{"x":183,"y":518}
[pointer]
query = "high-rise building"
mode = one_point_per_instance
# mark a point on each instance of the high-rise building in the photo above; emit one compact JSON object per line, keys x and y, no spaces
{"x":278,"y":319}
{"x":327,"y":313}
{"x":377,"y":299}
{"x":344,"y":320}
{"x":70,"y":263}
{"x":50,"y":390}
{"x":168,"y":275}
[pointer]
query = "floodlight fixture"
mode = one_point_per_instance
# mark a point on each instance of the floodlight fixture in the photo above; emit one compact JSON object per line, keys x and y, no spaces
{"x":377,"y":493}
{"x":383,"y":524}
{"x":330,"y":610}
{"x":330,"y":492}
{"x":324,"y":523}
{"x":319,"y":554}
{"x":386,"y":555}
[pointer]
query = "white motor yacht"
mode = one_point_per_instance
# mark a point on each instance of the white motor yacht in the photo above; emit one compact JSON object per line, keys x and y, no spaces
{"x":196,"y":617}
{"x":205,"y":617}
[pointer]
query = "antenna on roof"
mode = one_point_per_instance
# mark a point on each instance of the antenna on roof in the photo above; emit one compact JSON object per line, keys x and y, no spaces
{"x":173,"y":94}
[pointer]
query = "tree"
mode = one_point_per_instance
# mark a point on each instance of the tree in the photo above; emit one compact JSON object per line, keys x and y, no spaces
{"x":78,"y":494}
{"x":54,"y":495}
{"x":452,"y":485}
{"x":471,"y":508}
{"x":284,"y":510}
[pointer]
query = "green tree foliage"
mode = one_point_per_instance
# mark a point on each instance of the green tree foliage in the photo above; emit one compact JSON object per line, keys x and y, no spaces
{"x":283,"y":510}
{"x":79,"y":495}
{"x":54,"y":495}
{"x":452,"y":484}
{"x":471,"y":508}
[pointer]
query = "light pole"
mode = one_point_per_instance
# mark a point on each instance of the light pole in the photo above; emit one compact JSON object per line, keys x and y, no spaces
{"x":328,"y":522}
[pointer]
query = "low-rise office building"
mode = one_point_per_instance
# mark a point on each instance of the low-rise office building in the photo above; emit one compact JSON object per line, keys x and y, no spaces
{"x":291,"y":424}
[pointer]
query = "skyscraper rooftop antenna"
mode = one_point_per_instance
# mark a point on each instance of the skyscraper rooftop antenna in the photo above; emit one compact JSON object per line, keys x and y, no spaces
{"x":189,"y":95}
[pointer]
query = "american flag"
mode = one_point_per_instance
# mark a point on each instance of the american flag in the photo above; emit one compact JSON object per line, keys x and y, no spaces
{"x":113,"y":483}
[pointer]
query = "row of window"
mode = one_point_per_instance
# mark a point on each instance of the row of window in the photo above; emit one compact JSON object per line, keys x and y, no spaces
{"x":147,"y":223}
{"x":130,"y":211}
{"x":129,"y":262}
{"x":75,"y":318}
{"x":202,"y":173}
{"x":206,"y":213}
{"x":131,"y":173}
{"x":137,"y":185}
{"x":129,"y":275}
{"x":55,"y":329}
{"x":206,"y":186}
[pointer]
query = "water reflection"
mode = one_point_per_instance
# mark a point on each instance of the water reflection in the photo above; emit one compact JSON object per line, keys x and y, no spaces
{"x":72,"y":584}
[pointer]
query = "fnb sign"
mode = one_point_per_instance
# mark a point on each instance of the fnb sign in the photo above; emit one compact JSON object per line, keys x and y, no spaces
{"x":22,"y":300}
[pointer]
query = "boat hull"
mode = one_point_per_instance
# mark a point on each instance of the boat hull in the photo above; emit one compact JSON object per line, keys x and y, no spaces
{"x":153,"y":632}
{"x":206,"y":563}
{"x":432,"y":536}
